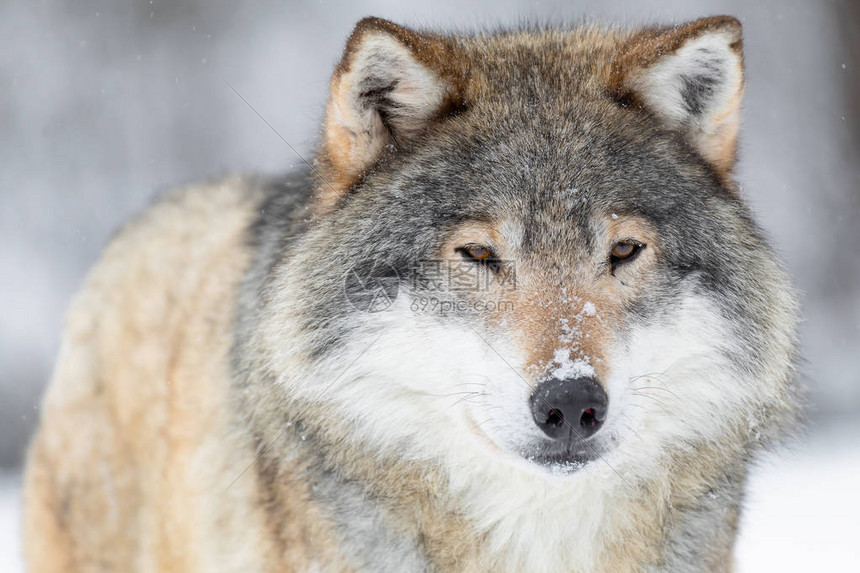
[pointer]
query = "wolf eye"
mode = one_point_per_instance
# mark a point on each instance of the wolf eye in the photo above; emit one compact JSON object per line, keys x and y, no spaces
{"x":624,"y":251}
{"x":478,"y":253}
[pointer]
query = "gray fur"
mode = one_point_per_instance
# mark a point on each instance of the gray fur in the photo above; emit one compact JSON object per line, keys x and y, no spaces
{"x":363,"y":526}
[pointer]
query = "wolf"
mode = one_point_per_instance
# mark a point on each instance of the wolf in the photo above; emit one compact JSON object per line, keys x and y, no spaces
{"x":514,"y":315}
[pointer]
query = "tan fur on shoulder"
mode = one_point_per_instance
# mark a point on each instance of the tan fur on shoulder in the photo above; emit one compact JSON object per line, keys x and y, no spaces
{"x":135,"y":453}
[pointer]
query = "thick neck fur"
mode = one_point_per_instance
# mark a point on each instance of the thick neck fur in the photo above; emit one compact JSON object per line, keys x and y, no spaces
{"x":391,"y":514}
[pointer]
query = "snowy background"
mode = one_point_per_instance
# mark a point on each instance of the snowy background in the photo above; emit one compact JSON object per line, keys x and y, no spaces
{"x":105,"y":102}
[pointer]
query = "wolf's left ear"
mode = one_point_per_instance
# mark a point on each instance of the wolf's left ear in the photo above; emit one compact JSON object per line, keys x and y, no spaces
{"x":692,"y":78}
{"x":391,"y":84}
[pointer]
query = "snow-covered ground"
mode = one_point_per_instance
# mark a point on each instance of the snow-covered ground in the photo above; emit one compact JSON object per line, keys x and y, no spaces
{"x":803,"y":507}
{"x":10,"y":523}
{"x":803,"y":512}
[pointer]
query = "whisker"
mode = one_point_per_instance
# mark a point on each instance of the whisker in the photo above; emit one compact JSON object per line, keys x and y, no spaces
{"x":657,"y":400}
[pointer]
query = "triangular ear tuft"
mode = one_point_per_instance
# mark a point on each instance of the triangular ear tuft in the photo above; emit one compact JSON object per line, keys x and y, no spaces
{"x":692,"y":78}
{"x":389,"y":87}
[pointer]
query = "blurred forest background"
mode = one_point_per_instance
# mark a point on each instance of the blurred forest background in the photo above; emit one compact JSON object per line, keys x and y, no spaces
{"x":105,"y":103}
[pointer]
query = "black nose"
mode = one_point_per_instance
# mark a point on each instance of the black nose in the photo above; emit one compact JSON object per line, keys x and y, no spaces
{"x":569,"y":410}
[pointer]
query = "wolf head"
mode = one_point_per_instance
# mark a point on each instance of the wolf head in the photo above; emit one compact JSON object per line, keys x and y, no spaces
{"x":527,"y":249}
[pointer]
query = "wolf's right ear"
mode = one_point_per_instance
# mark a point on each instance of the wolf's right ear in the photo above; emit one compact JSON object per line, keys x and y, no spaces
{"x":391,"y":84}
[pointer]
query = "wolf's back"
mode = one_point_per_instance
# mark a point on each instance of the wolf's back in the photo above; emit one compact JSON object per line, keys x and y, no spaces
{"x":135,"y":432}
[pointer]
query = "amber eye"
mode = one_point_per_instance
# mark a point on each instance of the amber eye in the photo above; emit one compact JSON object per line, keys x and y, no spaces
{"x":477,"y":252}
{"x":625,"y":250}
